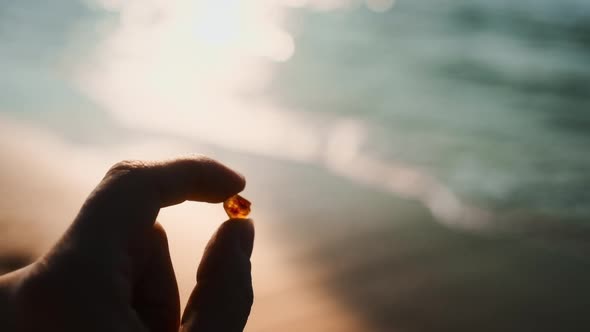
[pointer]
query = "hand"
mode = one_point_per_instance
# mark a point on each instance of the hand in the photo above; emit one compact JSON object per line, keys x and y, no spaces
{"x":111,"y":271}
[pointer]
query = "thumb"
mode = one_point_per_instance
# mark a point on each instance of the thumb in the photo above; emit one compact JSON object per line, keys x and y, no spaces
{"x":155,"y":292}
{"x":223,"y":296}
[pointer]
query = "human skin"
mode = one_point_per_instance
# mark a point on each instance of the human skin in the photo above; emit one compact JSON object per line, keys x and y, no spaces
{"x":111,"y":270}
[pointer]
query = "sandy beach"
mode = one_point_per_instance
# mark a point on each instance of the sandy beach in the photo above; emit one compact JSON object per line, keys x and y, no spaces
{"x":330,"y":255}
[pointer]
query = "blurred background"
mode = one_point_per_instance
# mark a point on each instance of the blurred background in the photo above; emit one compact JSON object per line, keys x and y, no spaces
{"x":414,"y":165}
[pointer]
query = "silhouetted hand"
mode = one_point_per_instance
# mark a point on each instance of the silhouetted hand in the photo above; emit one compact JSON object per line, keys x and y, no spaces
{"x":111,"y":271}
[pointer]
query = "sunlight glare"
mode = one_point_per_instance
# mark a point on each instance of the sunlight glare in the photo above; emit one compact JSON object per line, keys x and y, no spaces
{"x":199,"y":69}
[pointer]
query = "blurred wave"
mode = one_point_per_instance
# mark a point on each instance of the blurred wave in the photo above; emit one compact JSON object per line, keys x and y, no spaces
{"x":461,"y":91}
{"x":473,"y":102}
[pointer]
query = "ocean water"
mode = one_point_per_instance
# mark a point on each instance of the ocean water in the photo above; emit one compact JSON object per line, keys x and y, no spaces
{"x":490,"y":97}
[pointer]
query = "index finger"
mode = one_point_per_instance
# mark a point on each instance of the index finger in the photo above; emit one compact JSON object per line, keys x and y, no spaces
{"x":132,"y":192}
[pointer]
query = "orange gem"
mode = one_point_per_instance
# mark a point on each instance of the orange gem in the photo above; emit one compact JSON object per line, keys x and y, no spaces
{"x":237,"y":207}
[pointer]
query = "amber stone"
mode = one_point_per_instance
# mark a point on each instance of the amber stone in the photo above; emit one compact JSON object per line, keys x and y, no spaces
{"x":237,"y":207}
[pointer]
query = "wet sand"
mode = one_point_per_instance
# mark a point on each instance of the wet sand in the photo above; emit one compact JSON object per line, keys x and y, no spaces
{"x":330,"y":255}
{"x":391,"y":263}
